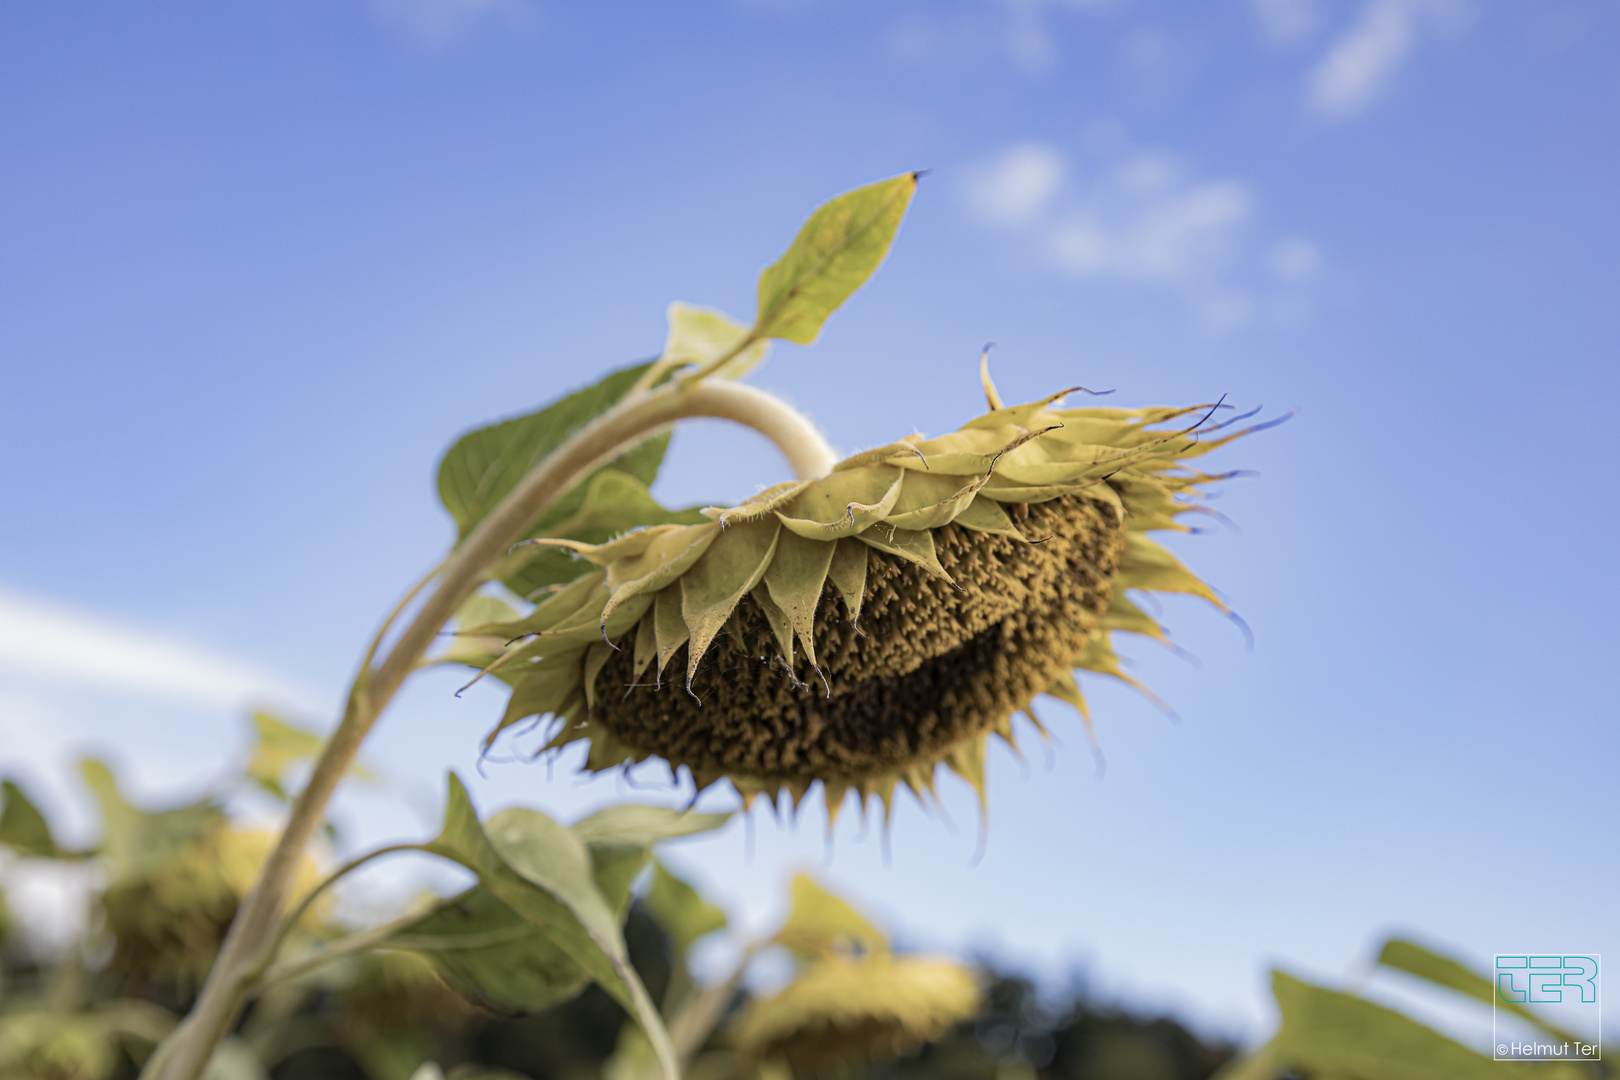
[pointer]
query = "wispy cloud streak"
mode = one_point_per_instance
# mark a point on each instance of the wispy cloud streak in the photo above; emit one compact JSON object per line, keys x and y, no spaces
{"x":1362,"y":63}
{"x":43,"y":639}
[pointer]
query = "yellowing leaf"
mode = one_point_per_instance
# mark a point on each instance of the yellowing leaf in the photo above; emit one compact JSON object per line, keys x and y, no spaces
{"x":821,"y":923}
{"x":833,"y":255}
{"x":135,"y":842}
{"x":699,"y":335}
{"x":277,"y":746}
{"x":680,"y":909}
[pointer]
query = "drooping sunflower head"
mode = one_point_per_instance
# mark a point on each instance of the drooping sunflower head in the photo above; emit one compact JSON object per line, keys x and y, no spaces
{"x":844,"y":1011}
{"x":168,"y":924}
{"x":862,"y":628}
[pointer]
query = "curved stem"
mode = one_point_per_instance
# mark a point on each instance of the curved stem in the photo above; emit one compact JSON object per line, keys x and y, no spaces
{"x":393,"y":616}
{"x":297,"y":913}
{"x":185,"y":1055}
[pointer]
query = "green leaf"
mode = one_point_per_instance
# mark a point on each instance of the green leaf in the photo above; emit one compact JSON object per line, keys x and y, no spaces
{"x":485,"y":465}
{"x":136,"y":842}
{"x":1328,"y":1033}
{"x":644,"y":826}
{"x":820,"y":923}
{"x":833,"y":255}
{"x":1414,"y":959}
{"x":23,"y":828}
{"x":492,"y":955}
{"x":277,"y":746}
{"x":621,"y":839}
{"x":235,"y":1060}
{"x":497,"y":958}
{"x":544,"y":872}
{"x":680,"y":909}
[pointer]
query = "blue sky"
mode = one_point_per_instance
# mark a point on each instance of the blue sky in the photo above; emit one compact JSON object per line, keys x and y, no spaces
{"x":260,"y":263}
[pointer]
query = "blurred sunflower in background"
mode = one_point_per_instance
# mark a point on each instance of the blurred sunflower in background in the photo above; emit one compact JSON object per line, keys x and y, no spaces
{"x":168,"y":924}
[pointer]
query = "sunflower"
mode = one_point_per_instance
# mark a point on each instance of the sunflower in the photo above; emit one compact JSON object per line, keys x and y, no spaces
{"x":168,"y":924}
{"x":865,"y":627}
{"x":845,"y":1011}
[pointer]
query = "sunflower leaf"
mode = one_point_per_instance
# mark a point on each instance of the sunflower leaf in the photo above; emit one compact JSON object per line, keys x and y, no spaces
{"x":276,"y":747}
{"x":820,"y":923}
{"x":833,"y":255}
{"x":492,"y":955}
{"x":23,"y":828}
{"x":1414,"y":959}
{"x":1325,"y":1032}
{"x":484,"y":465}
{"x":699,"y":335}
{"x":135,"y":842}
{"x":621,"y":839}
{"x":545,"y":873}
{"x":680,"y":909}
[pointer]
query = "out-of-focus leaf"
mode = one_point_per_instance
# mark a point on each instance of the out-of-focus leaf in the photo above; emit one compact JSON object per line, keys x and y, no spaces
{"x":698,"y":335}
{"x":820,"y":923}
{"x":643,"y":826}
{"x":492,"y":955}
{"x":544,"y":872}
{"x":833,"y":255}
{"x":680,"y":909}
{"x":632,"y":1057}
{"x":235,"y":1060}
{"x":1327,"y":1033}
{"x":621,"y":839}
{"x":277,"y":746}
{"x":23,"y":828}
{"x":46,"y":1043}
{"x":135,"y":842}
{"x":1414,"y":959}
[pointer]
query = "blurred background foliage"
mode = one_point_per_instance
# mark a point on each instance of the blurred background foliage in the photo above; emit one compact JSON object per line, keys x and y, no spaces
{"x":163,"y":885}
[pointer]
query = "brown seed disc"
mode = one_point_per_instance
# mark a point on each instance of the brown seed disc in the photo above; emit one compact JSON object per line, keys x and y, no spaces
{"x":930,"y":666}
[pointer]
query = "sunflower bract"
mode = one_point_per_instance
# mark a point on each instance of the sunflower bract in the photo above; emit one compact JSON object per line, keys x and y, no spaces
{"x":865,"y":627}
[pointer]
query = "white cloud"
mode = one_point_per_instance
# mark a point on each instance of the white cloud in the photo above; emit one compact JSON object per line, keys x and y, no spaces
{"x":1016,"y":187}
{"x":1138,"y":216}
{"x":1362,"y":63}
{"x":1287,"y":22}
{"x":1294,"y":259}
{"x":41,"y":638}
{"x":435,"y":21}
{"x":1169,"y":237}
{"x":1017,"y":30}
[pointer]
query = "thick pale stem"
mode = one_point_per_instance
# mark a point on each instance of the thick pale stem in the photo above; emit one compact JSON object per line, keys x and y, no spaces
{"x":185,"y":1055}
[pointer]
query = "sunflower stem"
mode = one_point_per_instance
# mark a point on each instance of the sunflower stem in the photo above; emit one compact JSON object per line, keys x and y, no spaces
{"x":186,"y":1053}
